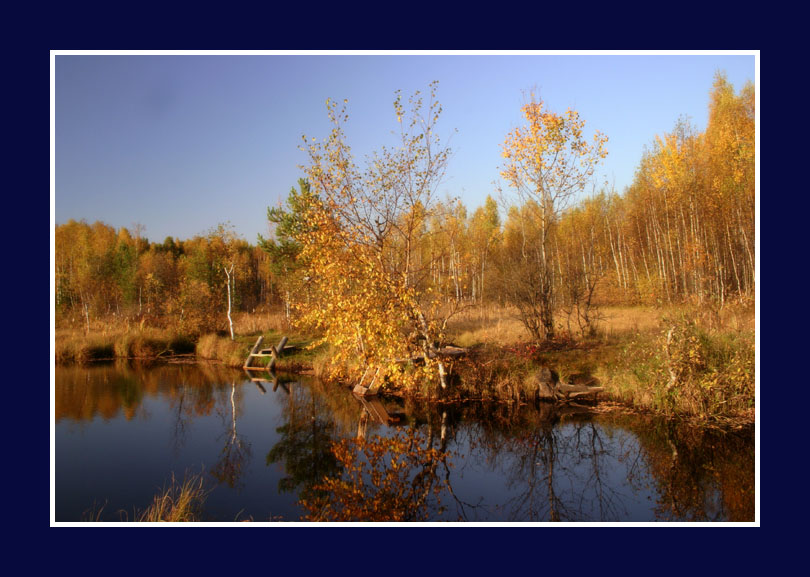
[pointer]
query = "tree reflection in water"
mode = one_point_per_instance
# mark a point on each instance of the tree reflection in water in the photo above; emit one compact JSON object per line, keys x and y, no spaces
{"x":555,"y":464}
{"x":699,"y":474}
{"x":543,"y":463}
{"x":393,"y":478}
{"x":305,"y":444}
{"x":236,"y":452}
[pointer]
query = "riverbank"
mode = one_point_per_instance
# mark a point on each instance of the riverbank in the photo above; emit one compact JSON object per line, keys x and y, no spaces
{"x":74,"y":346}
{"x":678,"y":362}
{"x":689,"y":362}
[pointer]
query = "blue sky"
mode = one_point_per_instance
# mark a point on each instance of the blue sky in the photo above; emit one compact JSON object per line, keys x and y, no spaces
{"x":182,"y":143}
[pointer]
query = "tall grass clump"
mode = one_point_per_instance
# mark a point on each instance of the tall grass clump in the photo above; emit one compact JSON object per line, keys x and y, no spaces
{"x":179,"y":502}
{"x":74,"y":347}
{"x":215,"y":347}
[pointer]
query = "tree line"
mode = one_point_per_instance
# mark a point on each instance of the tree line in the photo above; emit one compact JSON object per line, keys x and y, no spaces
{"x":372,"y":257}
{"x":109,"y":275}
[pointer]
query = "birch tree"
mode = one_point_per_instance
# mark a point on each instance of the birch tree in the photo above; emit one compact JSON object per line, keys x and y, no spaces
{"x":365,"y":291}
{"x":547,"y":161}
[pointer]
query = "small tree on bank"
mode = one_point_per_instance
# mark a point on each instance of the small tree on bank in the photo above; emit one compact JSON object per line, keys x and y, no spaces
{"x":547,"y":161}
{"x":368,"y":287}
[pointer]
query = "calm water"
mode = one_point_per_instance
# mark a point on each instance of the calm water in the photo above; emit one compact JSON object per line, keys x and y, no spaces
{"x":122,"y":432}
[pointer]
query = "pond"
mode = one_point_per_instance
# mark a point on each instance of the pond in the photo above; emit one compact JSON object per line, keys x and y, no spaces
{"x":292,"y":448}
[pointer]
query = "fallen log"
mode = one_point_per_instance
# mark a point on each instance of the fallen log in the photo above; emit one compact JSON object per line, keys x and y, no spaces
{"x":573,"y":391}
{"x":448,"y":352}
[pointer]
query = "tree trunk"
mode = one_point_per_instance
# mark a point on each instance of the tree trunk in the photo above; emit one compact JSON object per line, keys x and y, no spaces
{"x":230,"y":320}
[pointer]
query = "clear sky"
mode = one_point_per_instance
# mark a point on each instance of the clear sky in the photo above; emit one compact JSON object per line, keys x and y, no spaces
{"x":179,"y":144}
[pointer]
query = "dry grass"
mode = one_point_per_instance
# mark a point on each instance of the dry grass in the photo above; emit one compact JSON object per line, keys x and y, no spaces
{"x":222,"y":348}
{"x":72,"y":345}
{"x":179,"y":502}
{"x":497,"y":325}
{"x":256,"y":323}
{"x":625,"y":320}
{"x":493,"y":325}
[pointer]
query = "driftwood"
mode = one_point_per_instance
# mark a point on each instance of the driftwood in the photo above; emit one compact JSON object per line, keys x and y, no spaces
{"x":448,"y":352}
{"x":547,"y":385}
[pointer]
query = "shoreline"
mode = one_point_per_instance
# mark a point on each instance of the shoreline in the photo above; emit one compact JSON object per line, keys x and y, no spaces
{"x":608,"y":401}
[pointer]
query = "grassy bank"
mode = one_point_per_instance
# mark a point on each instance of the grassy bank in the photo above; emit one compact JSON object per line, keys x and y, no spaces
{"x":690,"y":362}
{"x":233,"y":353}
{"x":74,"y":346}
{"x":687,"y":369}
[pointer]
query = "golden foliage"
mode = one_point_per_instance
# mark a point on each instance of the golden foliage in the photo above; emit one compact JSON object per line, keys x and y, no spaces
{"x":364,"y":289}
{"x":383,"y":479}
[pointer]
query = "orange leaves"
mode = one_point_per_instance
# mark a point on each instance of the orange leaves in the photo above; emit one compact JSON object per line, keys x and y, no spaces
{"x":382,"y":479}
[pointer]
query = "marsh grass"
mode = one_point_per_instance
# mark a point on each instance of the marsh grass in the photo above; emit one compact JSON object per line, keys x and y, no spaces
{"x":222,"y":348}
{"x":501,"y":325}
{"x":179,"y":502}
{"x":175,"y":503}
{"x":260,"y":322}
{"x":689,"y":367}
{"x":74,"y":346}
{"x":696,"y":361}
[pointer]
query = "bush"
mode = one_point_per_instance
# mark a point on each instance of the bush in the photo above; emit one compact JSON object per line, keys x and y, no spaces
{"x":705,"y":373}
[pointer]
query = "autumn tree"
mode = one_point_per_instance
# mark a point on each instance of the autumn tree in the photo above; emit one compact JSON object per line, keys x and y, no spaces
{"x":547,"y":161}
{"x":368,"y":290}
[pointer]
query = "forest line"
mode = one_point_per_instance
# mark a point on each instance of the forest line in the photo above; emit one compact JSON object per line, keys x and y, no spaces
{"x":684,"y":229}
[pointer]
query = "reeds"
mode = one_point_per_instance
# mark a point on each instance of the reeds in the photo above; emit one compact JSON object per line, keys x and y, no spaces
{"x":179,"y":502}
{"x":73,"y":346}
{"x":219,"y":348}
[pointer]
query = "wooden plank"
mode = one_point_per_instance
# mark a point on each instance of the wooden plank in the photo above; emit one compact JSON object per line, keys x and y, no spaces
{"x":377,"y":410}
{"x":568,"y":389}
{"x":280,"y":346}
{"x":253,"y":351}
{"x":374,"y":386}
{"x":276,"y":351}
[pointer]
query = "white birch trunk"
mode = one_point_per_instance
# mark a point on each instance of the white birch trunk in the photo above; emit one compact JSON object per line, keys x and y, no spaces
{"x":230,"y":320}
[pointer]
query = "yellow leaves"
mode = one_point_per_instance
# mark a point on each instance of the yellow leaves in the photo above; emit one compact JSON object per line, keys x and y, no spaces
{"x":549,"y":152}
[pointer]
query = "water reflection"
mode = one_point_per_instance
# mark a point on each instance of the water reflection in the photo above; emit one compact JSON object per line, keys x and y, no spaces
{"x":383,"y":478}
{"x":305,"y":441}
{"x":331,"y":456}
{"x":699,"y":475}
{"x":236,"y":452}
